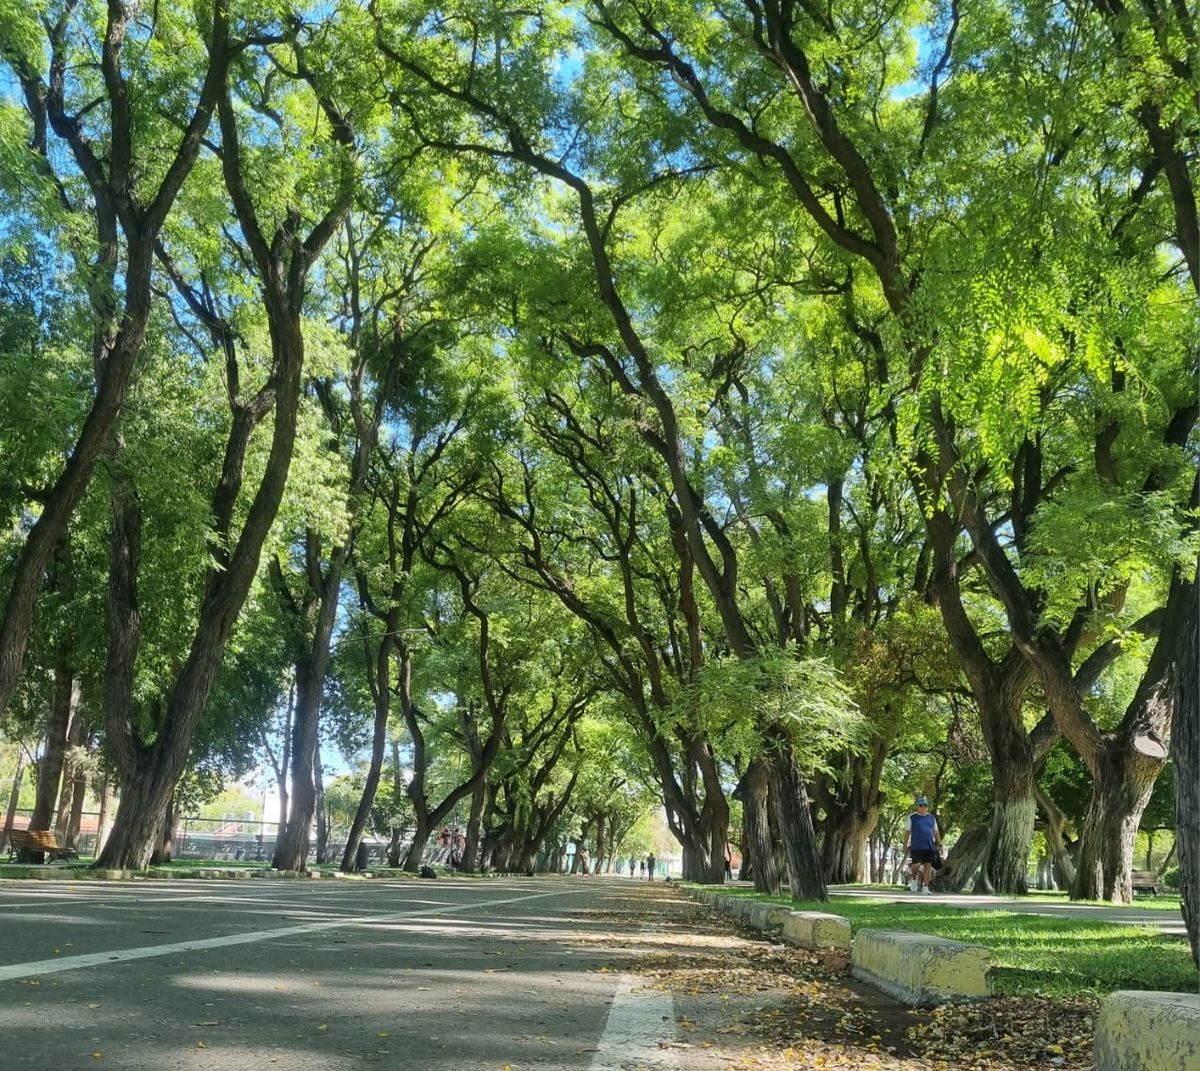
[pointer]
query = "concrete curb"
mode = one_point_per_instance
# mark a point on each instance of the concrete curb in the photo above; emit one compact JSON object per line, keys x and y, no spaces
{"x":816,"y":929}
{"x":1148,"y":1031}
{"x":921,"y":970}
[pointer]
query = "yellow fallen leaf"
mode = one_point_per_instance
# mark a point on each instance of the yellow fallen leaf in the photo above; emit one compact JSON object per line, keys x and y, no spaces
{"x":96,"y":1055}
{"x":201,"y":1045}
{"x":93,"y":1005}
{"x":323,"y":1026}
{"x":382,"y":1034}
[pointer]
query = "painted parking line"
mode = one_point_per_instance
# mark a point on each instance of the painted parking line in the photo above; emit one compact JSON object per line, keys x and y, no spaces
{"x":69,"y":963}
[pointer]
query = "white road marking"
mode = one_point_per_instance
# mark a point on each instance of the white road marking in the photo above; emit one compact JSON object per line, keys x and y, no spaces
{"x":637,"y":1021}
{"x":97,"y":959}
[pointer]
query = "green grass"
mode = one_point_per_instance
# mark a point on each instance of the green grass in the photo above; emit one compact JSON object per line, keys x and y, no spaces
{"x":1035,"y":954}
{"x":1162,"y":902}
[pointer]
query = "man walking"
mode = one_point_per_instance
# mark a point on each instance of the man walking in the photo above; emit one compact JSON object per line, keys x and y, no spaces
{"x":926,"y":840}
{"x":650,"y":863}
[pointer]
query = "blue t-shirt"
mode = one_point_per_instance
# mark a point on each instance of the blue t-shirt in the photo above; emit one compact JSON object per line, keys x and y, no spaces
{"x":922,"y":827}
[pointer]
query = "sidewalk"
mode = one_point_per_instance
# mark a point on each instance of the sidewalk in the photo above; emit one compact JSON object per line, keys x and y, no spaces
{"x":1170,"y":922}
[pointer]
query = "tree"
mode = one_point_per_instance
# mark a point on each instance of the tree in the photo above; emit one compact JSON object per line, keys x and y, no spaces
{"x":282,"y":261}
{"x":128,"y":208}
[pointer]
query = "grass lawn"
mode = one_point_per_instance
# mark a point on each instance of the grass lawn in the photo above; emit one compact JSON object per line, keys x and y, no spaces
{"x":1161,"y":902}
{"x":1034,"y":954}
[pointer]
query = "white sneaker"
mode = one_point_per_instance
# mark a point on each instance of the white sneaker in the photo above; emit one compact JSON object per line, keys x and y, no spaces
{"x":912,"y":885}
{"x":925,"y":891}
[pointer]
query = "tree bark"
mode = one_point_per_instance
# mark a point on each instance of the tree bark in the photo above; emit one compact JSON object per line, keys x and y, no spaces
{"x":756,"y":826}
{"x":50,"y":768}
{"x":165,"y":847}
{"x":964,"y":859}
{"x":1185,"y":753}
{"x":381,"y":693}
{"x":319,"y":805}
{"x":416,"y":850}
{"x":1062,"y":863}
{"x":14,"y":797}
{"x":102,"y":821}
{"x":71,"y":767}
{"x":1105,"y":857}
{"x":805,"y":878}
{"x":470,"y":859}
{"x":79,"y":785}
{"x":316,"y":609}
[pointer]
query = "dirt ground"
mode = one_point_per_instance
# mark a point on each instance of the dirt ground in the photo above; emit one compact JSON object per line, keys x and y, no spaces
{"x":745,"y":1001}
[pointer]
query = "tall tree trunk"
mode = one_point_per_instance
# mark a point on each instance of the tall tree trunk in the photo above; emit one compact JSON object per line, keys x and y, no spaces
{"x":1119,"y":796}
{"x":397,"y":792}
{"x":105,"y":816}
{"x":72,"y":767}
{"x":601,"y":844}
{"x":319,"y":805}
{"x":999,"y":690}
{"x":1185,"y":753}
{"x":844,"y":851}
{"x":963,"y":860}
{"x":416,"y":850}
{"x":799,"y":840}
{"x":75,"y":817}
{"x":381,"y":693}
{"x":1005,"y":864}
{"x":470,"y":859}
{"x":166,"y":837}
{"x":318,"y":606}
{"x":756,"y":826}
{"x":58,"y":726}
{"x":14,"y":797}
{"x":284,"y":762}
{"x":149,"y":775}
{"x":1063,"y":864}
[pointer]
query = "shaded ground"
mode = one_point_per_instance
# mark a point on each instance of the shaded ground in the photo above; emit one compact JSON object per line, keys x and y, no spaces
{"x":745,"y":1002}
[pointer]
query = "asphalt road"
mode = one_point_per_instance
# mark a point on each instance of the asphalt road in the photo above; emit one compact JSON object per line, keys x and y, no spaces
{"x":229,"y":976}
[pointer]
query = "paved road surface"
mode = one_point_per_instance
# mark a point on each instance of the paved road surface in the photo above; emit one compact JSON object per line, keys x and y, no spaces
{"x":464,"y":975}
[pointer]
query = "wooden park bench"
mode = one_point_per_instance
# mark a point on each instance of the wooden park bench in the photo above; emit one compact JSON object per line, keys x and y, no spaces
{"x":1144,"y":881}
{"x":38,"y":840}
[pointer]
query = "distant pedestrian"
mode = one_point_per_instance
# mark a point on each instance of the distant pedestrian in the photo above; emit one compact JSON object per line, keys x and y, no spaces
{"x":926,"y":843}
{"x":728,"y":862}
{"x":650,"y":864}
{"x":641,"y":868}
{"x":632,"y":864}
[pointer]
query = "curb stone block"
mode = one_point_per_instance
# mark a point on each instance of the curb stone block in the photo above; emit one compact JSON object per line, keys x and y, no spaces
{"x":1146,"y":1031}
{"x":741,"y":907}
{"x":921,"y":970}
{"x":816,"y":929}
{"x":767,"y":916}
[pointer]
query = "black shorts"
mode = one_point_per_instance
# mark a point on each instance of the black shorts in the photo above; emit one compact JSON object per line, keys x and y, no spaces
{"x":923,"y":855}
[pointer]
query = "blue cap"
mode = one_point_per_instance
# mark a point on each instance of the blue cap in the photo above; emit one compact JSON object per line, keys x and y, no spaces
{"x":922,"y":801}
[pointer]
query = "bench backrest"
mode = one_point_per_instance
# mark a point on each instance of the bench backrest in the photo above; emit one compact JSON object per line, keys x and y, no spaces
{"x":36,"y":839}
{"x":1143,"y":875}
